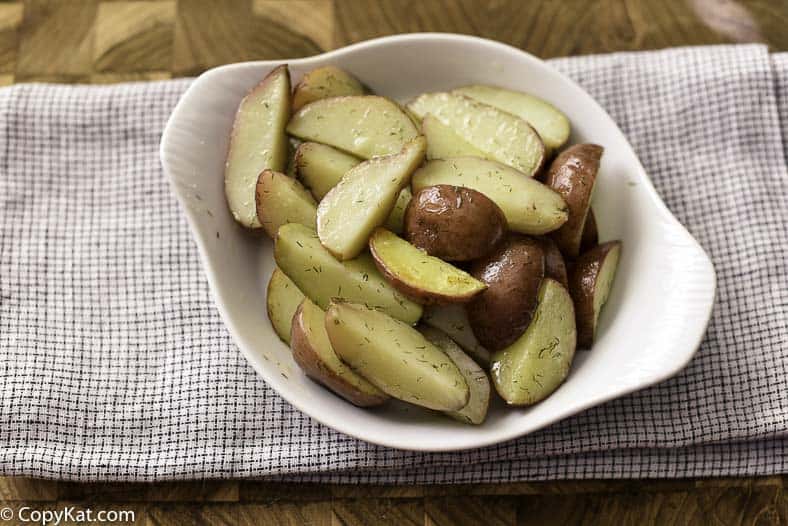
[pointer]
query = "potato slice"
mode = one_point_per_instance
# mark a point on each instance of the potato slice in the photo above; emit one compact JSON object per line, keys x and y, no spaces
{"x":396,"y":219}
{"x":590,"y":283}
{"x":453,"y":320}
{"x":418,"y":275}
{"x":321,"y":167}
{"x":443,"y":142}
{"x":538,"y":362}
{"x":258,"y":142}
{"x":554,"y":264}
{"x":475,"y":411}
{"x":325,"y":82}
{"x":366,"y":126}
{"x":321,"y":277}
{"x":551,"y":125}
{"x":573,"y":174}
{"x":364,"y":198}
{"x":282,"y":299}
{"x":529,"y":206}
{"x":500,"y":135}
{"x":313,"y":353}
{"x":281,"y":199}
{"x":590,"y":237}
{"x":395,"y":357}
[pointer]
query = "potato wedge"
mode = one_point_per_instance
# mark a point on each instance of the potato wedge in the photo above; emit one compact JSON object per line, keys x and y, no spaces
{"x":281,"y":199}
{"x":444,"y":143}
{"x":453,"y":320}
{"x":475,"y":411}
{"x":590,"y":283}
{"x":313,"y":353}
{"x":321,"y":167}
{"x":551,"y":125}
{"x":513,"y":273}
{"x":554,"y":264}
{"x":395,"y":357}
{"x":419,"y":276}
{"x":282,"y":299}
{"x":366,"y":126}
{"x":500,"y":135}
{"x":321,"y":277}
{"x":529,"y":206}
{"x":364,"y":198}
{"x":590,"y":237}
{"x":325,"y":82}
{"x":572,"y":174}
{"x":258,"y":142}
{"x":396,"y":219}
{"x":454,"y":223}
{"x":535,"y":365}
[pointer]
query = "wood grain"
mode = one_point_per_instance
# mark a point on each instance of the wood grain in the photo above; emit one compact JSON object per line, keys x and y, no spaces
{"x":103,"y":41}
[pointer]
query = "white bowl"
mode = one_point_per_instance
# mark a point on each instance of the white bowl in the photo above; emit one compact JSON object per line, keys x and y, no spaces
{"x":651,"y":327}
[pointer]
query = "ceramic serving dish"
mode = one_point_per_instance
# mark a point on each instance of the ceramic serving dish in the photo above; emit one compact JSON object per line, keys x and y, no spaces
{"x":651,"y":327}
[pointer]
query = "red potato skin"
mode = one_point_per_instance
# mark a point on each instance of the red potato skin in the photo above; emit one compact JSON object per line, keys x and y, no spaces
{"x":314,"y":368}
{"x":582,"y":283}
{"x":513,"y":274}
{"x":454,"y":223}
{"x":572,"y":174}
{"x":590,"y":237}
{"x":554,"y":265}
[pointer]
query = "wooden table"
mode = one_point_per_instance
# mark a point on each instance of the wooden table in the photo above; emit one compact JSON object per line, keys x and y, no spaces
{"x":110,"y":41}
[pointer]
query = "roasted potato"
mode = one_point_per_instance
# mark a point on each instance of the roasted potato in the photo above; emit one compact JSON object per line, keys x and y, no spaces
{"x":530,"y":207}
{"x":590,"y":237}
{"x":321,"y":277}
{"x":421,"y":277}
{"x":395,"y":357}
{"x":280,"y":199}
{"x":554,"y":265}
{"x":364,"y":198}
{"x":513,"y":273}
{"x":444,"y":143}
{"x":454,"y":223}
{"x":453,"y":320}
{"x":282,"y":300}
{"x":313,"y":353}
{"x":258,"y":142}
{"x":590,"y":283}
{"x":538,"y":362}
{"x":572,"y":174}
{"x":323,"y":83}
{"x":321,"y":167}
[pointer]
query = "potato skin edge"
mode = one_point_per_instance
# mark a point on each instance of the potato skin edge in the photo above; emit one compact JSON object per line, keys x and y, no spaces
{"x":582,"y":284}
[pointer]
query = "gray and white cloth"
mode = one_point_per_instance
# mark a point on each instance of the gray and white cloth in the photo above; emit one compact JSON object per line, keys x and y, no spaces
{"x":115,"y":365}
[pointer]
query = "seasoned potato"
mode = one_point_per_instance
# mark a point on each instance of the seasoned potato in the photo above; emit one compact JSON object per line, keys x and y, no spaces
{"x":443,"y":143}
{"x":475,"y":411}
{"x":424,"y":278}
{"x":454,"y":223}
{"x":313,"y":353}
{"x":554,"y":265}
{"x":513,"y":273}
{"x":321,"y":277}
{"x":366,"y":126}
{"x":535,"y":365}
{"x":590,"y":237}
{"x":281,"y":199}
{"x":590,"y":283}
{"x":551,"y":124}
{"x":325,"y":82}
{"x":320,"y":167}
{"x":396,"y":219}
{"x":364,"y":199}
{"x":258,"y":142}
{"x":500,"y":135}
{"x":529,"y":206}
{"x":453,"y":320}
{"x":282,"y":299}
{"x":395,"y":357}
{"x":572,"y":174}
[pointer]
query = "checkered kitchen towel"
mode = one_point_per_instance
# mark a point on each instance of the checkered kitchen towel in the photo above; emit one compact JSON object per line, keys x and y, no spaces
{"x":114,"y":363}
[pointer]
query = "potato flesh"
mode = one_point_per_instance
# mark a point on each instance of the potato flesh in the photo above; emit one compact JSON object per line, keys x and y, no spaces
{"x":366,"y":126}
{"x":500,"y":135}
{"x":421,"y":272}
{"x":258,"y":142}
{"x":453,"y":320}
{"x":323,"y":83}
{"x":535,"y":365}
{"x":604,"y":281}
{"x":364,"y":198}
{"x":395,"y":357}
{"x":313,"y":322}
{"x":530,"y":207}
{"x":443,"y":142}
{"x":283,"y":298}
{"x":475,"y":411}
{"x":396,"y":219}
{"x":321,"y":167}
{"x":551,"y":125}
{"x":321,"y":277}
{"x":280,"y":200}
